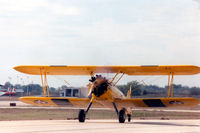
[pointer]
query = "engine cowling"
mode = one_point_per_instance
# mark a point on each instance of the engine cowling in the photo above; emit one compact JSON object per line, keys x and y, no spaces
{"x":100,"y":89}
{"x":99,"y":85}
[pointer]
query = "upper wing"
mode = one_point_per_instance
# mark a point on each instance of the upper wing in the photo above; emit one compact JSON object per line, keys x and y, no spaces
{"x":130,"y":70}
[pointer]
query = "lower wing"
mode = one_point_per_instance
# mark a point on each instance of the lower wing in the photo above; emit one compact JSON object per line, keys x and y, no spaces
{"x":158,"y":102}
{"x":137,"y":102}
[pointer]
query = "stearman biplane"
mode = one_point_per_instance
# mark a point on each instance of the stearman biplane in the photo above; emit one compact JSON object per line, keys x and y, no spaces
{"x":104,"y":93}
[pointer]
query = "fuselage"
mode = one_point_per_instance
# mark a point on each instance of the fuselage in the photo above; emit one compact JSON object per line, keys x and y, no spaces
{"x":102,"y":89}
{"x":111,"y":94}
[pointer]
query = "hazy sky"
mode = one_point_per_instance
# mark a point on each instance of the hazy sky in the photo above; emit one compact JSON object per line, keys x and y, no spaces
{"x":98,"y":32}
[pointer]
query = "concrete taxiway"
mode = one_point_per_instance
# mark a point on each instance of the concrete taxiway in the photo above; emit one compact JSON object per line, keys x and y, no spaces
{"x":99,"y":126}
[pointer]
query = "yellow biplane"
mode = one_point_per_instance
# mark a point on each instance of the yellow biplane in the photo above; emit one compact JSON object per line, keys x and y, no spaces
{"x":104,"y":93}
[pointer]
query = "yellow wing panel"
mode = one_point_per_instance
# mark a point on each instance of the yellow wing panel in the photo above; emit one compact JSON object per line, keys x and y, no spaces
{"x":158,"y":102}
{"x":130,"y":70}
{"x":138,"y":102}
{"x":64,"y":102}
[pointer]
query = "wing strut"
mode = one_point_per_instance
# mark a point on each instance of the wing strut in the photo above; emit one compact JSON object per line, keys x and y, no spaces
{"x":44,"y":83}
{"x":170,"y":84}
{"x":44,"y":91}
{"x":119,"y":79}
{"x":114,"y":77}
{"x":47,"y":87}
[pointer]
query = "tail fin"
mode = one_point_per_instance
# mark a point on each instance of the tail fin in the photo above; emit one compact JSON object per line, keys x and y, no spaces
{"x":9,"y":90}
{"x":128,"y":95}
{"x":13,"y":90}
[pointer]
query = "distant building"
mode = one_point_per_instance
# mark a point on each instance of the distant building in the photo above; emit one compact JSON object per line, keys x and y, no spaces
{"x":74,"y":92}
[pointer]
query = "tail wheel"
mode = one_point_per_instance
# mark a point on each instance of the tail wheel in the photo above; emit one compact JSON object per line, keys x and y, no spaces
{"x":122,"y":116}
{"x":129,"y":118}
{"x":81,"y":116}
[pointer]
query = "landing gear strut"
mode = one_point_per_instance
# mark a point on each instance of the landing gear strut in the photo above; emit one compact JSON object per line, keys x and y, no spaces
{"x":82,"y":113}
{"x":121,"y":114}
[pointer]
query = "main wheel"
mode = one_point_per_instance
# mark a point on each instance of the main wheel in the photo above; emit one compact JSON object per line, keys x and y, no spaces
{"x":81,"y":116}
{"x":122,"y":116}
{"x":129,"y":118}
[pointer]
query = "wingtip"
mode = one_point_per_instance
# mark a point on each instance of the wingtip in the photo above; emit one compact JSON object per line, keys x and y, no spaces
{"x":17,"y":68}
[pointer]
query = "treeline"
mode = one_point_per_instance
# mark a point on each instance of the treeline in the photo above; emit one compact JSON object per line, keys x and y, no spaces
{"x":137,"y":90}
{"x":141,"y":90}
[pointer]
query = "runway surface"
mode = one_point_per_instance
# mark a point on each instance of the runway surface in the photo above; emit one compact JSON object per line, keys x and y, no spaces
{"x":99,"y":126}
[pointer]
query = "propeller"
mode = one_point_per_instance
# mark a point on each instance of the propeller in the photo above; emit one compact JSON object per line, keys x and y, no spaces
{"x":91,"y":88}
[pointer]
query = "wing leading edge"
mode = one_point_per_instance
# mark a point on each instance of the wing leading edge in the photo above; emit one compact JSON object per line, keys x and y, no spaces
{"x":129,"y":70}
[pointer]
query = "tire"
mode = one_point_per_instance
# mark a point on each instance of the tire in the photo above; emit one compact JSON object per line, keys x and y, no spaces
{"x":129,"y":118}
{"x":122,"y":116}
{"x":81,"y":116}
